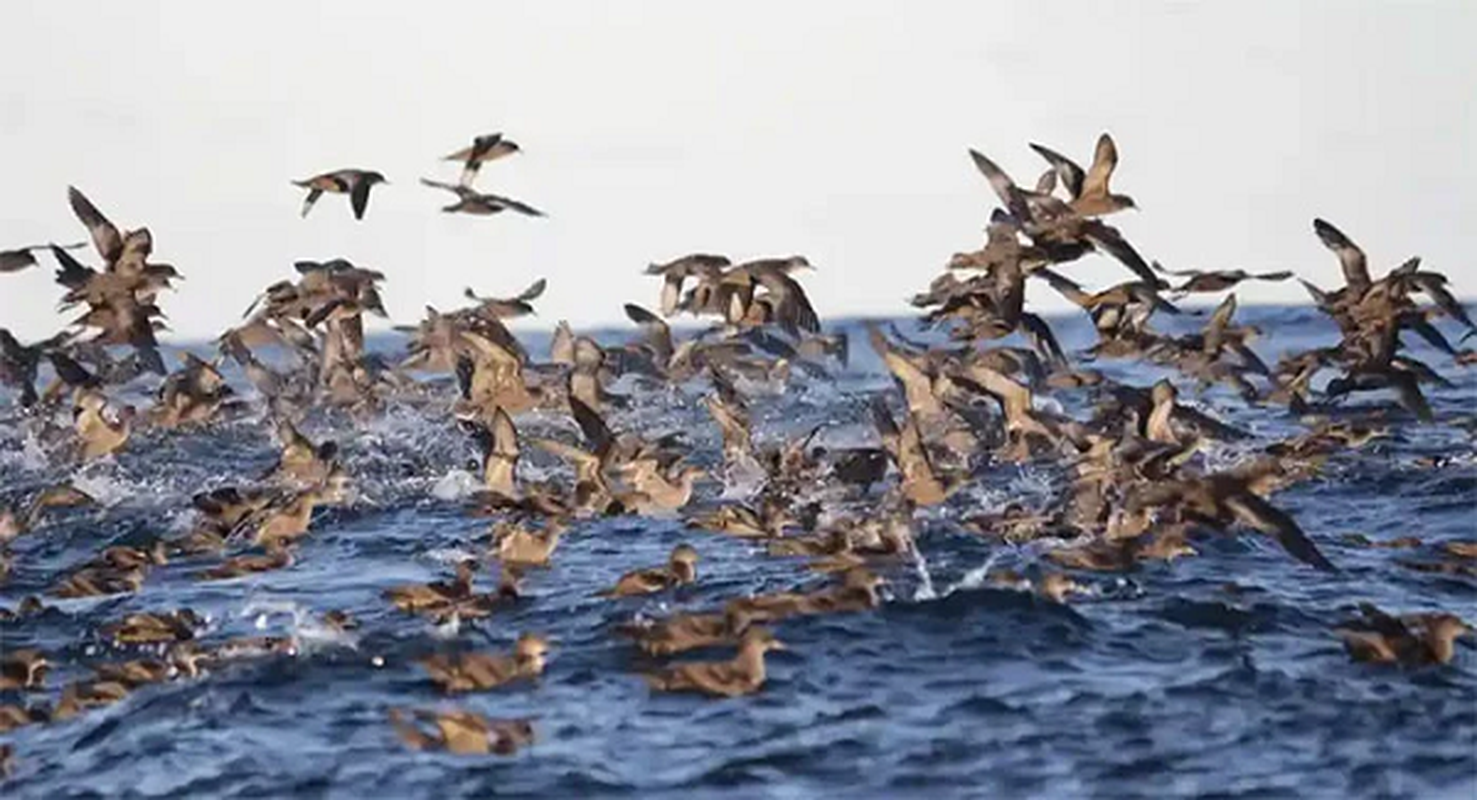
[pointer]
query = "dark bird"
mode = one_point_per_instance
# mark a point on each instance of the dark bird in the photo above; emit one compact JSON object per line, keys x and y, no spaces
{"x":470,"y":201}
{"x":1412,"y":640}
{"x":1217,"y":280}
{"x":1351,"y":258}
{"x":483,"y":149}
{"x":1226,"y":498}
{"x":708,"y":269}
{"x":356,"y":183}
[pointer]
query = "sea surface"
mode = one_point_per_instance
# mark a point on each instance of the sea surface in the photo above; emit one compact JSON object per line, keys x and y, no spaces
{"x":1213,"y":676}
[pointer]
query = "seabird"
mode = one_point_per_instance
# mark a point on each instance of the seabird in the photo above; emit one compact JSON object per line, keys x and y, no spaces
{"x":483,"y":149}
{"x":356,"y":183}
{"x":480,"y":204}
{"x":745,"y":674}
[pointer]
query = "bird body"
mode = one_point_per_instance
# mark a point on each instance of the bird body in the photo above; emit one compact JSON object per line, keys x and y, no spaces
{"x":355,"y":183}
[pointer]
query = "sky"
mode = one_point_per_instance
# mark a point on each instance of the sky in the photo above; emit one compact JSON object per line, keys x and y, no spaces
{"x":838,"y":131}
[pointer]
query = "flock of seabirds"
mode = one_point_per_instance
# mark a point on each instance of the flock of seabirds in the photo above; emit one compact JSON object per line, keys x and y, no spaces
{"x":1135,"y":486}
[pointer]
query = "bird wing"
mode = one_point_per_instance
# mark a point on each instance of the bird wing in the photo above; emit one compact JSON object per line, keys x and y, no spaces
{"x":732,"y":422}
{"x":16,"y":260}
{"x":1107,"y":239}
{"x":1010,"y":195}
{"x":1356,"y":269}
{"x":1104,"y":161}
{"x":1407,"y":388}
{"x":1039,"y":332}
{"x":1215,"y":328}
{"x":456,"y":189}
{"x":1064,"y":286}
{"x":1014,"y":397}
{"x":561,"y":346}
{"x":534,"y":290}
{"x":310,"y":199}
{"x":70,"y":272}
{"x":917,"y":386}
{"x":359,"y":197}
{"x":593,"y":426}
{"x":580,"y":459}
{"x":516,"y":205}
{"x":792,"y":306}
{"x":920,"y":482}
{"x":105,"y":236}
{"x":1431,"y":284}
{"x":1069,"y":171}
{"x":658,"y":334}
{"x":1267,"y":518}
{"x":1427,"y":331}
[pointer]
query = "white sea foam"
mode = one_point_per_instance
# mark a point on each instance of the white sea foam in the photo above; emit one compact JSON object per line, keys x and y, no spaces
{"x":457,"y":484}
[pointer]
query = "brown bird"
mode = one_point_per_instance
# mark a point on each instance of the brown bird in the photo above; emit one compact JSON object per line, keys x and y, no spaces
{"x":745,"y":674}
{"x":429,"y":596}
{"x":1058,"y":228}
{"x":60,"y":496}
{"x":462,"y":732}
{"x":97,"y":435}
{"x":515,"y":544}
{"x":483,"y":149}
{"x":726,"y":408}
{"x":1412,"y":640}
{"x":762,"y":292}
{"x":469,"y":201}
{"x":518,"y":305}
{"x":1224,"y":499}
{"x":286,"y":516}
{"x":1217,"y":280}
{"x":856,"y":592}
{"x":736,"y":519}
{"x":472,"y":672}
{"x":121,"y":252}
{"x":1103,"y":555}
{"x":1373,"y":377}
{"x":356,"y":183}
{"x":1463,"y":549}
{"x":1352,"y":259}
{"x":707,"y":268}
{"x":16,"y":716}
{"x":23,"y":669}
{"x":85,"y":695}
{"x":1089,"y":190}
{"x":154,"y":628}
{"x":99,"y":581}
{"x":141,"y":672}
{"x":681,"y":570}
{"x":301,"y":462}
{"x":276,"y":556}
{"x":904,"y":445}
{"x":833,"y":542}
{"x":682,"y":632}
{"x":500,"y":451}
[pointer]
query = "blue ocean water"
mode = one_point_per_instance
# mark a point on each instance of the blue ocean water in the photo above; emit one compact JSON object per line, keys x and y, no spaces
{"x":1213,"y":676}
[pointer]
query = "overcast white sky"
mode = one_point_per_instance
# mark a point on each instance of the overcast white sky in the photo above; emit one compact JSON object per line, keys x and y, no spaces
{"x":834,"y":130}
